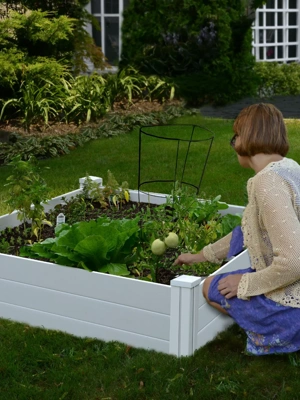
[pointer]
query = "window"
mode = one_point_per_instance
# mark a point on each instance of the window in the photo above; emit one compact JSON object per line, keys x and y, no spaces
{"x":108,"y":13}
{"x":275,"y":31}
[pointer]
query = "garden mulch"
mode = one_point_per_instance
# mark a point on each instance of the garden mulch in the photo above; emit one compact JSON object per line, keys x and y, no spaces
{"x":8,"y":128}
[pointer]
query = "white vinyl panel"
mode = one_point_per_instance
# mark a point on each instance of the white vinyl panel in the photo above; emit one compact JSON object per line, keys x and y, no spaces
{"x":211,"y":330}
{"x":206,"y":314}
{"x":58,"y":200}
{"x":9,"y":221}
{"x":86,"y":309}
{"x":80,"y":328}
{"x":130,"y":292}
{"x":147,"y":197}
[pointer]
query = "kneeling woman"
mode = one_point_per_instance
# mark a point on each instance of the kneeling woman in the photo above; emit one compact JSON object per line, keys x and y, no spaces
{"x":264,"y":300}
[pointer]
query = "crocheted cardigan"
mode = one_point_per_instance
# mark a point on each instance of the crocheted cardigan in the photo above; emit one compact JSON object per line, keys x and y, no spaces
{"x":271,"y":230}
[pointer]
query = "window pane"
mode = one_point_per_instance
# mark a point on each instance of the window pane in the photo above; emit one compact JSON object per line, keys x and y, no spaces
{"x":292,"y":51}
{"x":279,"y":3}
{"x":292,"y":18}
{"x":279,"y":35}
{"x":292,"y":35}
{"x":111,"y":6}
{"x":96,"y":6}
{"x":112,"y":39}
{"x":270,"y":53}
{"x":261,"y":36}
{"x":261,"y":53}
{"x":270,"y":19}
{"x":279,"y":52}
{"x":97,"y":33}
{"x":270,"y":35}
{"x":293,"y":4}
{"x":270,"y":4}
{"x":260,"y":19}
{"x":280,"y":18}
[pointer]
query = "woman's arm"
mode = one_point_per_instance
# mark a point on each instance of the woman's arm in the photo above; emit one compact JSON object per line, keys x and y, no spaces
{"x":214,"y":253}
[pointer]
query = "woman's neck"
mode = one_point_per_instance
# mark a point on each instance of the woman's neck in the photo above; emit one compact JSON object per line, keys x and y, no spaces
{"x":260,"y":161}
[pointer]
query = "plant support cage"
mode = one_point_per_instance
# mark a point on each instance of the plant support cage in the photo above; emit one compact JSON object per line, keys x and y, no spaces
{"x":181,"y":151}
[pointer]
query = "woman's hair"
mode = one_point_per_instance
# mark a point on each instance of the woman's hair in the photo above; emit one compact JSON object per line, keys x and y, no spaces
{"x":262,"y":130}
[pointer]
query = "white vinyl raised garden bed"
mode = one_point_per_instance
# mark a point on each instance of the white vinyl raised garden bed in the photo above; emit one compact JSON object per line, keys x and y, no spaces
{"x":171,"y":319}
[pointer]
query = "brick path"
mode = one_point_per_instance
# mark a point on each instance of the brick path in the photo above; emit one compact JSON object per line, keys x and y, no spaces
{"x":288,"y":105}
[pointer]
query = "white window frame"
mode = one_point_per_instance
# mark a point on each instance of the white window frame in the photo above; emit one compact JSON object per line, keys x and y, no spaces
{"x":256,"y":29}
{"x":102,"y":17}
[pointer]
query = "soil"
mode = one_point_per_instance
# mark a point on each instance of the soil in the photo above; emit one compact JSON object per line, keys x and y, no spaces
{"x":60,"y":129}
{"x":19,"y":236}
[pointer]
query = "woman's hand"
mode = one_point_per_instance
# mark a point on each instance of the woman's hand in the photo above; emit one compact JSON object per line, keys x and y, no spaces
{"x":228,"y":286}
{"x":189,"y":259}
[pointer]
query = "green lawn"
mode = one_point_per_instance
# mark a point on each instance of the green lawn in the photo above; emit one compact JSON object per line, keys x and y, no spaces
{"x":223,"y":174}
{"x":40,"y":364}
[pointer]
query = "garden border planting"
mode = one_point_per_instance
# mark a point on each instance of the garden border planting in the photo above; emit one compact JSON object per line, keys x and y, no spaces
{"x":171,"y":319}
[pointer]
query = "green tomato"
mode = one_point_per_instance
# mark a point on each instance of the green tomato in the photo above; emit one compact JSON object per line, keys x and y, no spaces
{"x":172,"y":240}
{"x":158,"y":247}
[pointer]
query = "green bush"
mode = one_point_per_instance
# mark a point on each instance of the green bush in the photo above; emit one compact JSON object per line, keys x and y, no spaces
{"x":74,"y":49}
{"x":278,"y":79}
{"x":205,"y":47}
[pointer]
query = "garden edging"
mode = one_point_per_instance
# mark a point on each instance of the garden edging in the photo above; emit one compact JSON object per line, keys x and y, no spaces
{"x":171,"y":319}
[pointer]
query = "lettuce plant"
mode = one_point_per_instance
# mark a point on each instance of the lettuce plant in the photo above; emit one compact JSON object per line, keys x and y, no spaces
{"x":101,"y":245}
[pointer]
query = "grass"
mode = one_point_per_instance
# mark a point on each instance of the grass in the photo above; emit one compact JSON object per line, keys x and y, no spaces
{"x":41,"y":364}
{"x":49,"y":365}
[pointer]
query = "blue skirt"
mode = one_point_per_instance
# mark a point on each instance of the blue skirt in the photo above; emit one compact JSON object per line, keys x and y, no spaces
{"x":271,"y":328}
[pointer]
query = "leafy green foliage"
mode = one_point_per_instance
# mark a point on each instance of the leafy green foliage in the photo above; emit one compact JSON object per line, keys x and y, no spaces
{"x":196,"y":222}
{"x":35,"y":103}
{"x":205,"y":47}
{"x":40,"y":38}
{"x":278,"y":79}
{"x":86,"y":99}
{"x":102,"y":245}
{"x":27,"y":193}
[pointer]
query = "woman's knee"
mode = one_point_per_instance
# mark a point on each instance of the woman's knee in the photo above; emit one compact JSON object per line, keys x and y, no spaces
{"x":206,"y":286}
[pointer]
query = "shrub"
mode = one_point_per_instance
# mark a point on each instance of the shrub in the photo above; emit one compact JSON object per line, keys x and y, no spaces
{"x":205,"y":47}
{"x":75,"y":49}
{"x":278,"y":79}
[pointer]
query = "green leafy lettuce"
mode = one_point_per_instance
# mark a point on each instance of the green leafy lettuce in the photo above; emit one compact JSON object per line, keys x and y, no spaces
{"x":101,"y":245}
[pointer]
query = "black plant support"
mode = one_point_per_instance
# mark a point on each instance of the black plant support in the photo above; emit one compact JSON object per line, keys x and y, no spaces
{"x":185,"y":137}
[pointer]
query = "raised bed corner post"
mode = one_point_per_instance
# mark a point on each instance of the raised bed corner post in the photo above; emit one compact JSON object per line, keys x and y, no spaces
{"x":185,"y":291}
{"x":93,"y":178}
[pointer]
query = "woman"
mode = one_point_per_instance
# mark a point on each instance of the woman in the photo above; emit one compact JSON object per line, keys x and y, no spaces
{"x":264,"y":299}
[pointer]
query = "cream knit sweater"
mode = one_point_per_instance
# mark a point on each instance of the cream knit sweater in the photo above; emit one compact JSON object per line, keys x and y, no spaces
{"x":271,"y":231}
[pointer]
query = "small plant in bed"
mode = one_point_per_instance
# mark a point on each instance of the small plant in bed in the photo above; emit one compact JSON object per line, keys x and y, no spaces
{"x":104,"y":231}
